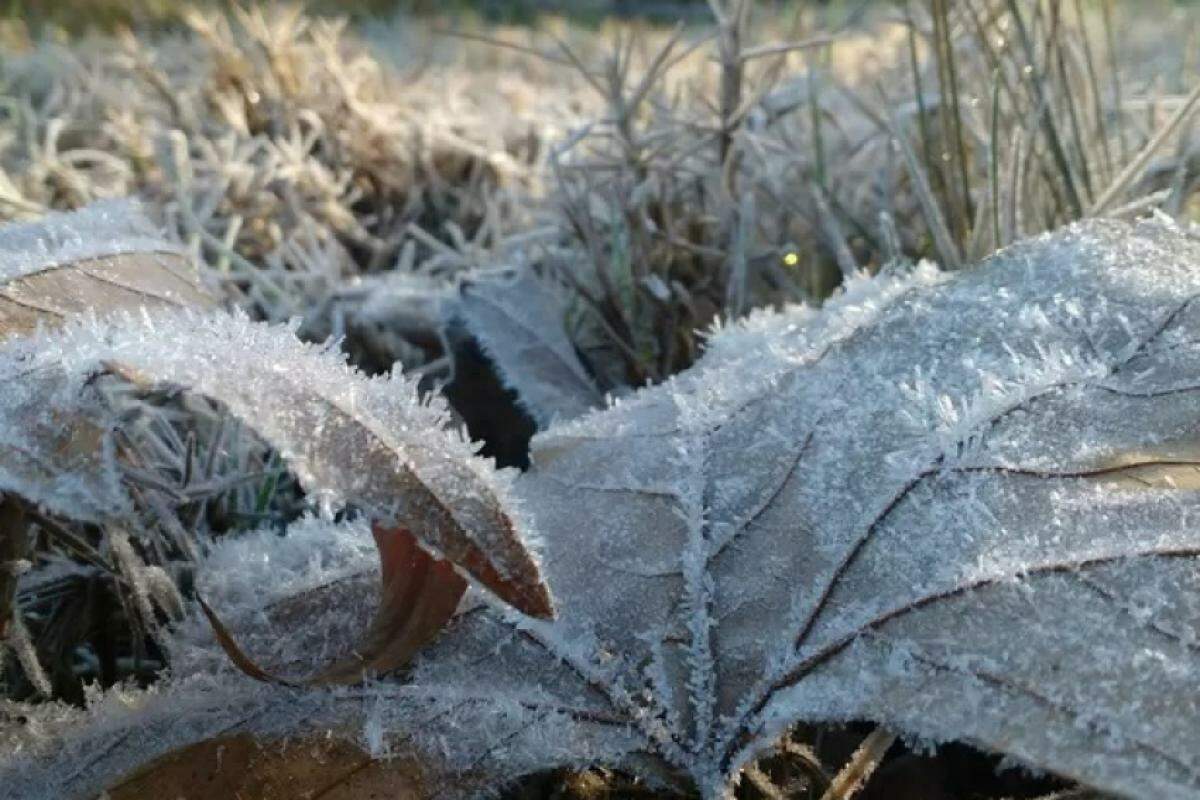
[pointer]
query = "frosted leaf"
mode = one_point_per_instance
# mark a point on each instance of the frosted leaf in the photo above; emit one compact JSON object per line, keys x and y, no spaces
{"x":236,"y":736}
{"x":418,"y":594}
{"x":54,"y":751}
{"x":128,"y":740}
{"x":518,"y":321}
{"x":105,"y":257}
{"x":246,"y":577}
{"x":961,"y":507}
{"x":350,"y":439}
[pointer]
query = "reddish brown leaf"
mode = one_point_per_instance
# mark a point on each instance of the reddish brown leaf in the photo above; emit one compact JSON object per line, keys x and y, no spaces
{"x":302,"y":769}
{"x":418,"y":595}
{"x":417,"y":598}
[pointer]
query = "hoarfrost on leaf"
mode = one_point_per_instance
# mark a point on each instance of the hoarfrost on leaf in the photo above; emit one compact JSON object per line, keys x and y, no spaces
{"x":924,"y":506}
{"x":104,"y":257}
{"x":370,"y":442}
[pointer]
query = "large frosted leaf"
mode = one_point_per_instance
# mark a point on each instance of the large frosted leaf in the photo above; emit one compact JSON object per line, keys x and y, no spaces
{"x":519,"y":322}
{"x":963,"y":507}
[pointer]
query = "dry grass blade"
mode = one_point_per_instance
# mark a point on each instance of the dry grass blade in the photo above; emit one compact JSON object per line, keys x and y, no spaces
{"x":1133,"y":168}
{"x":14,"y":550}
{"x":780,"y":48}
{"x":832,"y":229}
{"x":1045,"y":114}
{"x":857,"y":771}
{"x":14,"y":554}
{"x":943,"y":239}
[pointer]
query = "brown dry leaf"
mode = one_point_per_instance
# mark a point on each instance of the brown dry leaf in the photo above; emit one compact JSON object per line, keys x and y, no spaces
{"x":105,"y":258}
{"x":125,"y":281}
{"x":101,"y":259}
{"x":374,"y":444}
{"x":418,"y":596}
{"x":364,"y":441}
{"x":243,"y":767}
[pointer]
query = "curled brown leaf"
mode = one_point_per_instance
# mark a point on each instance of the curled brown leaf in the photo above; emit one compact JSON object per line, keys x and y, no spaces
{"x":242,"y":766}
{"x":418,"y":595}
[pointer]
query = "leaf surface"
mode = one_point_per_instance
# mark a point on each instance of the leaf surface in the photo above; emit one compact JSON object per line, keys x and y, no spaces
{"x":243,"y":766}
{"x":201,"y":737}
{"x":100,"y":259}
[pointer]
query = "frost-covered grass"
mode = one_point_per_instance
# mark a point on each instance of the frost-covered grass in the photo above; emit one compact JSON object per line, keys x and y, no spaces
{"x":346,"y":175}
{"x":667,"y":180}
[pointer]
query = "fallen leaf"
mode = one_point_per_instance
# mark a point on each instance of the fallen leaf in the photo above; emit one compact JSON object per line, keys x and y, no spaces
{"x":418,"y":596}
{"x":247,"y":768}
{"x":519,"y":321}
{"x":103,"y":258}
